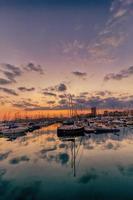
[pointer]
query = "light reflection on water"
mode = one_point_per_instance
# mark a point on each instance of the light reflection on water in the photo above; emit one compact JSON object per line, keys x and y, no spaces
{"x":40,"y":165}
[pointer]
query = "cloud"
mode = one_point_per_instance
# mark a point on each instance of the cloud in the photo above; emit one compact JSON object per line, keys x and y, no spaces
{"x":15,"y":70}
{"x":27,"y":191}
{"x":51,"y":102}
{"x":120,"y":13}
{"x":79,"y":74}
{"x":84,"y":93}
{"x":38,"y":108}
{"x":116,"y":31}
{"x":9,"y":91}
{"x":62,"y":87}
{"x":119,"y":76}
{"x":29,"y":106}
{"x":32,"y":67}
{"x":74,"y":47}
{"x":46,"y":150}
{"x":62,"y":101}
{"x":103,"y":93}
{"x":88,"y":177}
{"x":111,"y":146}
{"x":4,"y":81}
{"x":126,"y":170}
{"x":10,"y":72}
{"x":64,"y":158}
{"x":49,"y":94}
{"x":2,"y":172}
{"x":100,"y":99}
{"x":24,"y":89}
{"x":4,"y":155}
{"x":57,"y":88}
{"x":17,"y":160}
{"x":62,"y":96}
{"x":113,"y":40}
{"x":103,"y":102}
{"x":25,"y":104}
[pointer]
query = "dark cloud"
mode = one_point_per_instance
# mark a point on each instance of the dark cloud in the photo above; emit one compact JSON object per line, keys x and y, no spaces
{"x":43,"y":151}
{"x":62,"y":101}
{"x":84,"y":93}
{"x":113,"y":102}
{"x":4,"y":155}
{"x":103,"y":93}
{"x":111,"y":146}
{"x":4,"y":186}
{"x":90,"y":176}
{"x":49,"y":94}
{"x":62,"y":87}
{"x":2,"y":172}
{"x":51,"y":139}
{"x":100,"y":102}
{"x":31,"y":191}
{"x":15,"y":71}
{"x":50,"y":89}
{"x":19,"y":159}
{"x":64,"y":158}
{"x":119,"y":76}
{"x":10,"y":72}
{"x":9,"y":91}
{"x":29,"y":106}
{"x":63,"y":146}
{"x":4,"y":81}
{"x":35,"y":68}
{"x":79,"y":74}
{"x":37,"y":108}
{"x":126,"y":171}
{"x":62,"y":96}
{"x":50,"y":102}
{"x":57,"y":88}
{"x":25,"y":104}
{"x":95,"y":101}
{"x":24,"y":89}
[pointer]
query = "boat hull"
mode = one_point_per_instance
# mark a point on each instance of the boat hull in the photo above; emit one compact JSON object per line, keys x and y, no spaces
{"x":87,"y":130}
{"x":100,"y":130}
{"x":70,"y":132}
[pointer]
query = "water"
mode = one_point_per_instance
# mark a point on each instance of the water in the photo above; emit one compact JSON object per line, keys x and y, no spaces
{"x":40,"y":166}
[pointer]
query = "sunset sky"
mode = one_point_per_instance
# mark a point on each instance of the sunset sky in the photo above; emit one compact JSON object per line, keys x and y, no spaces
{"x":51,"y":48}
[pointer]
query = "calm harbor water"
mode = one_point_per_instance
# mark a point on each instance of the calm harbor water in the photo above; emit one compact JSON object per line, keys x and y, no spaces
{"x":40,"y":166}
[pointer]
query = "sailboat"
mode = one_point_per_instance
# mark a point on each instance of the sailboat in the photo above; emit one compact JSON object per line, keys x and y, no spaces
{"x":70,"y":129}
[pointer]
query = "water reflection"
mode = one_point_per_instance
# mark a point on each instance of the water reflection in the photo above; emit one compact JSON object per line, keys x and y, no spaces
{"x":39,"y":165}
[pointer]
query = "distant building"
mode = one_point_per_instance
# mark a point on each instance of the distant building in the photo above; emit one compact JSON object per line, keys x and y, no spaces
{"x":131,"y":112}
{"x":93,"y":111}
{"x":106,"y":113}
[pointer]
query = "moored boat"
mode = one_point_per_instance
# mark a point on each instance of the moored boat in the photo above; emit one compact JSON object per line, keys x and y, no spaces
{"x":129,"y":123}
{"x":15,"y":131}
{"x":70,"y":130}
{"x":106,"y":129}
{"x":88,"y":129}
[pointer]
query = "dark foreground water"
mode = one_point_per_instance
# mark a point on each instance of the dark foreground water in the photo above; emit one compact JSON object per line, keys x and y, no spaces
{"x":40,"y":166}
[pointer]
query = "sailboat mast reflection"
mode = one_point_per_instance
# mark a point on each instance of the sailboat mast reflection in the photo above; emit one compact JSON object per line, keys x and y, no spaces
{"x":74,"y":153}
{"x":73,"y":156}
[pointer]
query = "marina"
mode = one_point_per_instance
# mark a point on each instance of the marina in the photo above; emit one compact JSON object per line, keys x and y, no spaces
{"x":69,"y":126}
{"x":84,"y":164}
{"x":66,"y":100}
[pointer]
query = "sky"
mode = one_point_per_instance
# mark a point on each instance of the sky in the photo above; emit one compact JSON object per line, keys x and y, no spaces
{"x":50,"y":49}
